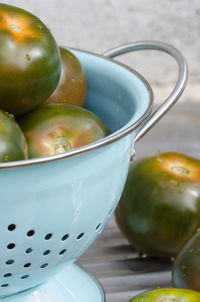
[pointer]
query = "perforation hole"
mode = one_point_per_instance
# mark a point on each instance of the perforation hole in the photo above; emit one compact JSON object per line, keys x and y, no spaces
{"x":10,"y":261}
{"x":65,"y":237}
{"x":48,"y":236}
{"x":47,"y":252}
{"x":110,"y":212}
{"x":11,"y":246}
{"x":80,"y":236}
{"x":12,"y":227}
{"x":44,"y":265}
{"x":31,"y":233}
{"x":29,"y":250}
{"x":62,"y":252}
{"x":27,"y":265}
{"x":25,"y":277}
{"x":7,"y":275}
{"x":98,"y":226}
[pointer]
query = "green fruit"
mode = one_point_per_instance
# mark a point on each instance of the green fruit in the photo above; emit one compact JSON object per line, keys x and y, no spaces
{"x":12,"y":141}
{"x":186,"y":268}
{"x":30,"y":63}
{"x":54,"y":129}
{"x":160,"y":206}
{"x":72,"y":87}
{"x":168,"y":295}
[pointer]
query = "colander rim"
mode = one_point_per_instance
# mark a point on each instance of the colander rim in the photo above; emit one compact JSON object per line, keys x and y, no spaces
{"x":100,"y":143}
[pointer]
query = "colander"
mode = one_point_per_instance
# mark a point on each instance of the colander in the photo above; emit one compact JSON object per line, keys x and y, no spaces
{"x":53,"y":208}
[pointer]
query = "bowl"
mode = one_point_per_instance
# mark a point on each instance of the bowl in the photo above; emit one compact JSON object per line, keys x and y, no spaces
{"x":53,"y":208}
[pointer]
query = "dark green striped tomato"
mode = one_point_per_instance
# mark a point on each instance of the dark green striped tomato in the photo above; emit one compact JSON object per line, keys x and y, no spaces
{"x":54,"y":129}
{"x":160,"y":206}
{"x":12,"y":141}
{"x":168,"y":295}
{"x":186,"y":268}
{"x":30,"y":63}
{"x":72,"y":87}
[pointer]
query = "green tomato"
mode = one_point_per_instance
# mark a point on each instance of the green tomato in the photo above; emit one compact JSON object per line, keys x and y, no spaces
{"x":12,"y":141}
{"x":72,"y":87}
{"x":54,"y":129}
{"x":186,"y":268}
{"x":30,"y":62}
{"x":160,"y":206}
{"x":168,"y":295}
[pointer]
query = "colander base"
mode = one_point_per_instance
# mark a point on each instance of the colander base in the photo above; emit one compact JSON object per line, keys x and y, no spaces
{"x":73,"y":284}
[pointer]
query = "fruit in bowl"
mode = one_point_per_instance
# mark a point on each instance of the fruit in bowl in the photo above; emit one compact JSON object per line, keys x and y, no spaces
{"x":160,"y":205}
{"x":54,"y":129}
{"x":13,"y":144}
{"x":34,"y":71}
{"x":30,"y":62}
{"x":72,"y":87}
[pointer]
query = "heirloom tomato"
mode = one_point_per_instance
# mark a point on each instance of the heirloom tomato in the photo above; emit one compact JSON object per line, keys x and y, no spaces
{"x":160,"y":205}
{"x":186,"y":268}
{"x":168,"y":295}
{"x":72,"y":87}
{"x":30,"y":63}
{"x":54,"y":129}
{"x":12,"y":141}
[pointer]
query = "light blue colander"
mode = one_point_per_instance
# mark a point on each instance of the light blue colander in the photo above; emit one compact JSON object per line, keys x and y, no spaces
{"x":52,"y":209}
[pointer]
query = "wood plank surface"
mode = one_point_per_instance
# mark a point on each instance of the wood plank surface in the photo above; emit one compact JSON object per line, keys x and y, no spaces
{"x":122,"y":271}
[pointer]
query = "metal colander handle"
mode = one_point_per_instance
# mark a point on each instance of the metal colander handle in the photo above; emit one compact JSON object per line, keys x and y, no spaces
{"x":180,"y":85}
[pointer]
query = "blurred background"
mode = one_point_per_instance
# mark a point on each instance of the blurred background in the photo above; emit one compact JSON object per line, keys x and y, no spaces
{"x":99,"y":25}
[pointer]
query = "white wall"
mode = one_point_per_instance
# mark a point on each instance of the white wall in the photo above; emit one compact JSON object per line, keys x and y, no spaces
{"x":98,"y":25}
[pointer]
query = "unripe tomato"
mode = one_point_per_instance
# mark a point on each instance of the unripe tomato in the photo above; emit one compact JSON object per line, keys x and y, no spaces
{"x":186,"y":268}
{"x":168,"y":295}
{"x":54,"y":129}
{"x":30,"y":63}
{"x":160,"y":206}
{"x":12,"y":141}
{"x":72,"y":87}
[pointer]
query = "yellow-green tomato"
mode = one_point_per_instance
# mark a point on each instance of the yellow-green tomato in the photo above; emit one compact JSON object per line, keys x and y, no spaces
{"x":12,"y":141}
{"x":168,"y":295}
{"x":160,"y":205}
{"x":54,"y":129}
{"x":30,"y":62}
{"x":72,"y":87}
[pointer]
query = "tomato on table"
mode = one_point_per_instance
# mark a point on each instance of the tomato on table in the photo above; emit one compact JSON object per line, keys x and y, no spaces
{"x":160,"y":205}
{"x":168,"y":295}
{"x":186,"y":268}
{"x":30,"y":62}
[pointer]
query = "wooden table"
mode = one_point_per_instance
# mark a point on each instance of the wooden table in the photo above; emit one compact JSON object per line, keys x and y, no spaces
{"x":121,"y":270}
